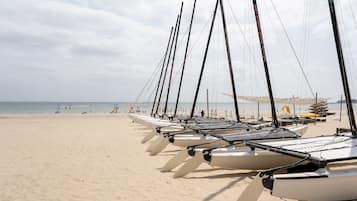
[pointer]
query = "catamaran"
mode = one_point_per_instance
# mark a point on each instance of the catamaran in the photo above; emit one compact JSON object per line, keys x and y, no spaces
{"x":223,"y":149}
{"x":210,"y":135}
{"x":173,"y":123}
{"x":326,"y":166}
{"x":197,"y":130}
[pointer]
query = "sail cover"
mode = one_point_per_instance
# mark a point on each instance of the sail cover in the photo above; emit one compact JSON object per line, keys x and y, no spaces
{"x":321,"y":150}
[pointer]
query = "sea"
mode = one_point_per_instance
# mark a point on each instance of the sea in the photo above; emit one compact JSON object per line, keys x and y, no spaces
{"x":126,"y":107}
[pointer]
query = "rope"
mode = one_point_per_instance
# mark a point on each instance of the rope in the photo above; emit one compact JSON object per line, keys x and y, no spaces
{"x":242,"y":32}
{"x":347,"y":43}
{"x":353,"y":14}
{"x":150,"y":80}
{"x":293,"y":49}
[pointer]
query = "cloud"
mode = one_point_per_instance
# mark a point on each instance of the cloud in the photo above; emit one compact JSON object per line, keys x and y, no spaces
{"x":89,"y":50}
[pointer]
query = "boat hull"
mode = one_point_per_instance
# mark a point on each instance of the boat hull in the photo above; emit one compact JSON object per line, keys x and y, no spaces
{"x":322,"y":185}
{"x":244,"y":158}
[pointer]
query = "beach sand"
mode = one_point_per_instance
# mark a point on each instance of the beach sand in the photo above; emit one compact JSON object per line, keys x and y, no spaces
{"x":100,"y":157}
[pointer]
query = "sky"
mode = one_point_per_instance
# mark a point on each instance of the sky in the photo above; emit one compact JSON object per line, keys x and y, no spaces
{"x":89,"y":50}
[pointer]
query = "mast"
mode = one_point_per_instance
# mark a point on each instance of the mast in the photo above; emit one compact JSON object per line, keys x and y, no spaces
{"x":204,"y":60}
{"x":185,"y":58}
{"x":341,"y":61}
{"x":228,"y":51}
{"x":162,"y":70}
{"x":167,"y":66}
{"x":173,"y":57}
{"x":267,"y":75}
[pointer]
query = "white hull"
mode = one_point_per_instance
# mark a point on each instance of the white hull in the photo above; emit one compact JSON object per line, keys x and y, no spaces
{"x":235,"y":157}
{"x":244,"y":158}
{"x":322,"y":185}
{"x":154,"y":123}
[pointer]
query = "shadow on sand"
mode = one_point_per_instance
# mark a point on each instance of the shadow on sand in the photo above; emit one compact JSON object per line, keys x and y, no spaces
{"x":240,"y":176}
{"x":222,"y":176}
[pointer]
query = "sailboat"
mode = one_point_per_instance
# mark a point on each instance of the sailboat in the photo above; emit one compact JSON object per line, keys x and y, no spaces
{"x":210,"y":135}
{"x":164,"y":117}
{"x":195,"y":133}
{"x":325,"y":169}
{"x":233,"y":152}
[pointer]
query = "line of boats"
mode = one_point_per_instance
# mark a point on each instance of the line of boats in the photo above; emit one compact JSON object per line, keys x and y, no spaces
{"x":315,"y":168}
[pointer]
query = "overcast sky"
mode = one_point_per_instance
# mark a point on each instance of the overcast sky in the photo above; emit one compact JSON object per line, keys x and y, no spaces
{"x":90,"y":50}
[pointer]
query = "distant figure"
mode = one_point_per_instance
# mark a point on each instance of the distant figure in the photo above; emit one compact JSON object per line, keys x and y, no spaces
{"x":58,"y":109}
{"x":131,"y":109}
{"x":202,"y":113}
{"x":115,"y":109}
{"x":138,"y":109}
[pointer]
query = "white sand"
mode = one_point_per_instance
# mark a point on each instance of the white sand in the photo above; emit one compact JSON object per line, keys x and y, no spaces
{"x":72,"y":157}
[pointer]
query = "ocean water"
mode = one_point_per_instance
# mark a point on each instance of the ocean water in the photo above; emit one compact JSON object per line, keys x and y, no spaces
{"x":124,"y":107}
{"x":62,"y":107}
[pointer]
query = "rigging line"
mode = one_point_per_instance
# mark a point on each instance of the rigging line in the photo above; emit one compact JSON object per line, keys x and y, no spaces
{"x":185,"y":58}
{"x":169,"y":48}
{"x":192,"y":47}
{"x":306,"y":39}
{"x":355,"y":22}
{"x":204,"y":60}
{"x":173,"y":57}
{"x":180,"y":42}
{"x":323,"y":143}
{"x":257,"y":71}
{"x":346,"y":42}
{"x":250,"y":51}
{"x":293,"y":48}
{"x":150,"y":95}
{"x":156,"y":70}
{"x":242,"y":32}
{"x":151,"y":86}
{"x":199,"y":39}
{"x":305,"y":30}
{"x":353,"y":14}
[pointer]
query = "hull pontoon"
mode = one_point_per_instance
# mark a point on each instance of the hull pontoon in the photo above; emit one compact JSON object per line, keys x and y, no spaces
{"x":321,"y":185}
{"x":328,"y":175}
{"x":239,"y":156}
